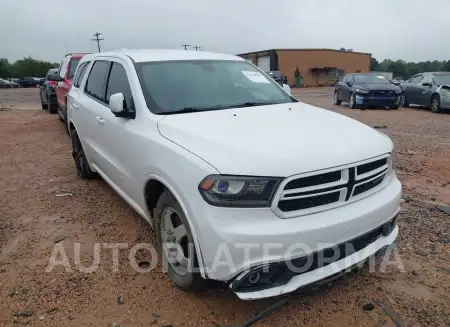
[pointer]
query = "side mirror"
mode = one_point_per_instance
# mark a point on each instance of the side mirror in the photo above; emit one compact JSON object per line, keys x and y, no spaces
{"x":426,"y":84}
{"x":287,"y":89}
{"x":348,"y":83}
{"x":116,"y":103}
{"x":55,"y":77}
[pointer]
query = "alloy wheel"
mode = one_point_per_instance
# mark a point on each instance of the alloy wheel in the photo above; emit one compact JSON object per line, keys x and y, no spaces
{"x":175,"y":242}
{"x":435,"y":104}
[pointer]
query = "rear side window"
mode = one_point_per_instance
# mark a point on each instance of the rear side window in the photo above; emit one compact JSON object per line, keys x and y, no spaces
{"x":416,"y":79}
{"x":95,"y":85}
{"x":80,"y":74}
{"x":73,"y":67}
{"x":118,"y":83}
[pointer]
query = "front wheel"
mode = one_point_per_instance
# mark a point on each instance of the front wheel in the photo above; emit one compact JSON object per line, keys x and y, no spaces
{"x":336,"y":100}
{"x":175,"y":244}
{"x":435,"y":103}
{"x":352,"y":101}
{"x":81,"y":163}
{"x":51,"y":106}
{"x":43,"y":105}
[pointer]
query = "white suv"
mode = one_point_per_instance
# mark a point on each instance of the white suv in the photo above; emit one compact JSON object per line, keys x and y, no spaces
{"x":241,"y":182}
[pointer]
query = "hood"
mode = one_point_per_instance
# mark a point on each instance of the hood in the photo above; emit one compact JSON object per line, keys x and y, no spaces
{"x":376,"y":87}
{"x":275,"y":140}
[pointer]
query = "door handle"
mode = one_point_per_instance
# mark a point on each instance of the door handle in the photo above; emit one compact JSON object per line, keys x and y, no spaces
{"x":100,"y":120}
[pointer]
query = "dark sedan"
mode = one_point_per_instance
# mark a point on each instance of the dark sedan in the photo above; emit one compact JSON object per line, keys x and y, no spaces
{"x":278,"y":77}
{"x":47,"y":93}
{"x":430,"y":90}
{"x":30,"y":82}
{"x":364,"y":90}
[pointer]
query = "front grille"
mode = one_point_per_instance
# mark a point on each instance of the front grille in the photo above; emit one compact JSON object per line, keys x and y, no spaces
{"x":308,"y":202}
{"x":382,"y":93}
{"x":301,"y":195}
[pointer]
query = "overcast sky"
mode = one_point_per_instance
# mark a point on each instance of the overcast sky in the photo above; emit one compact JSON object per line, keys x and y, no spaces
{"x":413,"y":30}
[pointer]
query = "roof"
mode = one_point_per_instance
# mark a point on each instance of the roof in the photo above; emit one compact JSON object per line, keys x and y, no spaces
{"x":142,"y":55}
{"x":307,"y":49}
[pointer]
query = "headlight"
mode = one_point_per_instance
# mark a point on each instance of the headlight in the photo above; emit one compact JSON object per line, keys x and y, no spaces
{"x":444,"y":92}
{"x":363,"y":91}
{"x":238,"y":191}
{"x":399,"y":91}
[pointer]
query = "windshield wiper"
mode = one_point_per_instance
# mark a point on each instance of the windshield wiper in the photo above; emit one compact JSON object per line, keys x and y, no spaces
{"x":186,"y":110}
{"x":252,"y":104}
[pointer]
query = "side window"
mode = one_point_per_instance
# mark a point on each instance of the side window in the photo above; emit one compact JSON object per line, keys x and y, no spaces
{"x":416,"y":79}
{"x":427,"y":79}
{"x":95,"y":85}
{"x":118,"y":83}
{"x":80,"y":74}
{"x":345,"y":79}
{"x":63,"y":67}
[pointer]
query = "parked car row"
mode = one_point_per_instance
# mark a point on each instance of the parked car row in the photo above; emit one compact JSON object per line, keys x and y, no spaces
{"x":365,"y":90}
{"x":6,"y":84}
{"x":196,"y":143}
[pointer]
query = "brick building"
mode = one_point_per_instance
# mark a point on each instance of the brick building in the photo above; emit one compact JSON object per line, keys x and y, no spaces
{"x":317,"y":66}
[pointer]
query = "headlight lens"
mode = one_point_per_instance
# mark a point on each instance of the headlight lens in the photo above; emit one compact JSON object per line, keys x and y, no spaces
{"x":363,"y":91}
{"x":445,"y":92}
{"x":238,"y":191}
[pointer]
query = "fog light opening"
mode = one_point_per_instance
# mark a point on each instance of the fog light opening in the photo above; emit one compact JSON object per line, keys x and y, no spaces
{"x":254,"y":278}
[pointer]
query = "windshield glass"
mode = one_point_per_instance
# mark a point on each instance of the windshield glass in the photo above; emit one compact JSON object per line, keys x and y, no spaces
{"x":172,"y":86}
{"x":73,"y":67}
{"x":370,"y":79}
{"x":442,"y":79}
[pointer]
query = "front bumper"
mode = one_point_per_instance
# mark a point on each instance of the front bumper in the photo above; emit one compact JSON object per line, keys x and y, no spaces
{"x":235,"y":240}
{"x":367,"y":100}
{"x":325,"y":273}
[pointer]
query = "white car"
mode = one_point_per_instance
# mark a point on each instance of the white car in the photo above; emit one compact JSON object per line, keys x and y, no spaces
{"x":241,"y":182}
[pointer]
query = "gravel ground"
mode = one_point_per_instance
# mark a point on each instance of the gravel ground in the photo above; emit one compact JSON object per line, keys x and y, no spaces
{"x":36,"y":165}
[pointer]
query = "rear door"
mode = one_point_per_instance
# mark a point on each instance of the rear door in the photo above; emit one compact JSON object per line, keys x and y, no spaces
{"x":91,"y":107}
{"x":76,"y":93}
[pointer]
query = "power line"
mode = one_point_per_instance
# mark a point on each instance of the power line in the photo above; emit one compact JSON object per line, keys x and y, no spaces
{"x":185,"y":46}
{"x":197,"y":48}
{"x":97,"y":39}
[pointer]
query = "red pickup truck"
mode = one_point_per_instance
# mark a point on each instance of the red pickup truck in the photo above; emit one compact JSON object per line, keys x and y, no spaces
{"x":64,"y":81}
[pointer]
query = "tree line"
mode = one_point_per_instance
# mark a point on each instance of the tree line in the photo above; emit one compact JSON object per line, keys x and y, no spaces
{"x":405,"y":70}
{"x":26,"y":67}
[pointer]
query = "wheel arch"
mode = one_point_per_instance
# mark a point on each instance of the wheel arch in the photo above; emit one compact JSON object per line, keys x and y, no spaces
{"x":158,"y":185}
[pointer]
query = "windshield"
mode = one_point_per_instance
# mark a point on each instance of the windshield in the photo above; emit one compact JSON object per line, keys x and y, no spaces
{"x":370,"y":79}
{"x":73,"y":66}
{"x":442,"y":79}
{"x":196,"y":85}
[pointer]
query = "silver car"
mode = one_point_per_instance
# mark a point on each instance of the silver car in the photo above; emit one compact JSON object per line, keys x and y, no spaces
{"x":430,"y":90}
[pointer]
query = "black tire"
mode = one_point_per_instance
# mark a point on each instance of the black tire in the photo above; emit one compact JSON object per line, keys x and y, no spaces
{"x":191,"y":281}
{"x":43,"y":105}
{"x":81,"y":163}
{"x":51,"y":107}
{"x":336,"y":100}
{"x":352,"y":101}
{"x":66,"y":125}
{"x":405,"y":102}
{"x":435,"y":103}
{"x":395,"y":106}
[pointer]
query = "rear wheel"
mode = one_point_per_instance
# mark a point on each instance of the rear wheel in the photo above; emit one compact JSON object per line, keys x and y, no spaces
{"x":175,"y":243}
{"x":81,"y":163}
{"x":352,"y":101}
{"x":336,"y":100}
{"x":403,"y":102}
{"x":51,"y":106}
{"x":435,"y":103}
{"x":43,"y":105}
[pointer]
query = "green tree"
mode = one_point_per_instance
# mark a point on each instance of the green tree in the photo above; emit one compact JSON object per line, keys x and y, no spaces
{"x":5,"y":68}
{"x":31,"y":67}
{"x":373,"y":64}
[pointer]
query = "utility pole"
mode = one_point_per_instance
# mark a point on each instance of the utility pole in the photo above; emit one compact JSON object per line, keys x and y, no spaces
{"x":185,"y":46}
{"x":97,"y":39}
{"x":197,"y":47}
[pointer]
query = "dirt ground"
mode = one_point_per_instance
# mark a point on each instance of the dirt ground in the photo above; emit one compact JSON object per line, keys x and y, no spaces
{"x":36,"y":166}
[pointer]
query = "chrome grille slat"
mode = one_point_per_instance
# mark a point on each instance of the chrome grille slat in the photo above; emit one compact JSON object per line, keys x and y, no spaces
{"x":291,"y":202}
